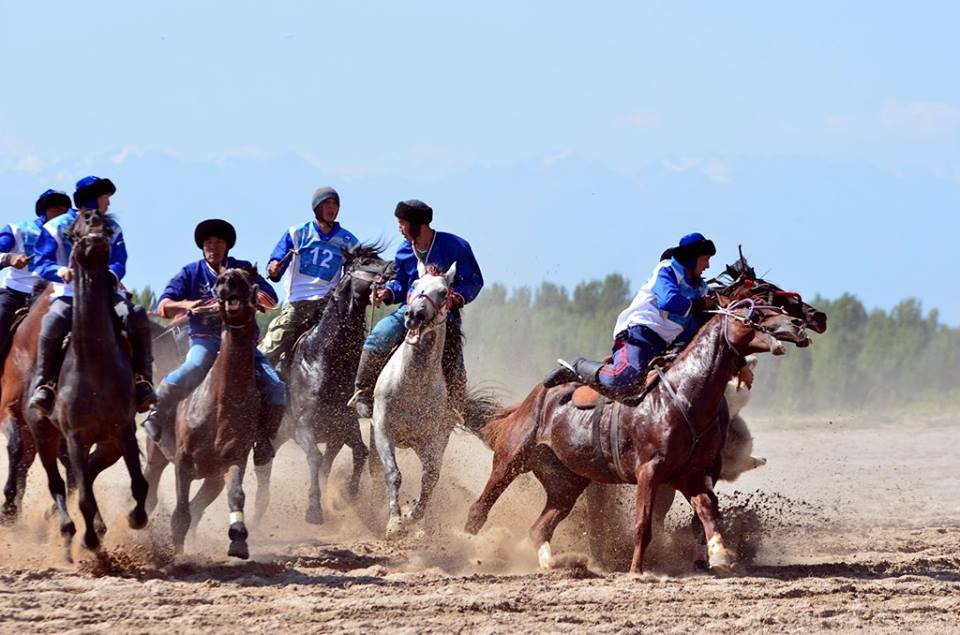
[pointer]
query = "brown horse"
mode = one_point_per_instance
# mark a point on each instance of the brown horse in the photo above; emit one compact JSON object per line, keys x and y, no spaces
{"x":671,"y":437}
{"x":216,"y":426}
{"x":96,"y":396}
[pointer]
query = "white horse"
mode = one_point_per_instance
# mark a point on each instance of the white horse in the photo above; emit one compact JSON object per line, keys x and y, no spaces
{"x":410,"y":408}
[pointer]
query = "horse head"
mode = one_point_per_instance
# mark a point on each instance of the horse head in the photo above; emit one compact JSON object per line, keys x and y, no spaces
{"x":90,"y":235}
{"x":363,"y":271}
{"x":751,"y":326}
{"x":428,"y":301}
{"x":236,"y":292}
{"x":739,"y":281}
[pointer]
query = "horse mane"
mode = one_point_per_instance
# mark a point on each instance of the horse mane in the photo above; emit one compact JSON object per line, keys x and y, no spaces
{"x":368,"y":250}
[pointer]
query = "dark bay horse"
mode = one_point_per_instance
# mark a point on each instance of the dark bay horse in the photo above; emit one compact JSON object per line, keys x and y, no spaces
{"x":95,"y":405}
{"x":668,"y":438}
{"x":216,"y":425}
{"x":321,"y":380}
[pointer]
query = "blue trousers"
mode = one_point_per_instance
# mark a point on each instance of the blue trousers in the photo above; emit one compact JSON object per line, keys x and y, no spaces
{"x":632,"y":351}
{"x":200,"y":357}
{"x":387,"y":333}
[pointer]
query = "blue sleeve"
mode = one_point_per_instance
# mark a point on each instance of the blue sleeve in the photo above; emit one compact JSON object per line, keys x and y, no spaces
{"x":45,"y":252}
{"x":177,"y":287}
{"x":469,"y":280}
{"x":7,"y":241}
{"x":118,"y":256}
{"x":693,"y":325}
{"x":401,"y":280}
{"x":278,"y":253}
{"x":668,"y":294}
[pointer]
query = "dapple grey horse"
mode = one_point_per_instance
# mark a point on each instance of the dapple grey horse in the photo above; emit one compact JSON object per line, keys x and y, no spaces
{"x":410,"y":408}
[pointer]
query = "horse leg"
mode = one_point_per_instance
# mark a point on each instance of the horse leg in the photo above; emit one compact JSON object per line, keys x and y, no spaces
{"x":180,"y":519}
{"x":263,"y":473}
{"x":80,"y":460}
{"x":698,"y":491}
{"x":360,"y":453}
{"x":307,"y":441}
{"x":235,"y":499}
{"x":432,"y":459}
{"x":563,"y":488}
{"x":26,"y":460}
{"x":207,"y":493}
{"x":47,"y":449}
{"x":646,"y":493}
{"x":65,"y":461}
{"x":391,"y":476}
{"x":15,"y":452}
{"x":156,"y":463}
{"x":139,"y":487}
{"x":101,"y":458}
{"x":507,"y":465}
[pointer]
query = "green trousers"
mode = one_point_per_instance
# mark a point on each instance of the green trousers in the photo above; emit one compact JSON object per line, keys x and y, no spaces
{"x":294,"y":319}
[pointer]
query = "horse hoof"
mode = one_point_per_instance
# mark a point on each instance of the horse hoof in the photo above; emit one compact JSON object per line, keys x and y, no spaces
{"x":395,"y":528}
{"x":91,"y":542}
{"x":719,"y":558}
{"x":314,"y":516}
{"x":238,"y":549}
{"x":9,"y":515}
{"x":137,"y":519}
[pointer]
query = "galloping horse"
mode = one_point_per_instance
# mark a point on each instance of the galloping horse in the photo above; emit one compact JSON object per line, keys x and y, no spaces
{"x":95,"y":405}
{"x":671,"y":437}
{"x":216,"y":425}
{"x":410,"y":407}
{"x":321,"y":380}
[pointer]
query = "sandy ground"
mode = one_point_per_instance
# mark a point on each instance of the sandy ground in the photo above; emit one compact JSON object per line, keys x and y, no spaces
{"x":851,"y":526}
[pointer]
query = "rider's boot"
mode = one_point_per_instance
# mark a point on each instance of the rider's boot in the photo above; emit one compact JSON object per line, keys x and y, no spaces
{"x":142,"y":368}
{"x":50,"y":354}
{"x":164,"y":410}
{"x":267,"y":427}
{"x":582,"y":370}
{"x":371,"y":363}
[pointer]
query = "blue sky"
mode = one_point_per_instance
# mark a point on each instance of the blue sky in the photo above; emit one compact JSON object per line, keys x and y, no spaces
{"x":564,"y":141}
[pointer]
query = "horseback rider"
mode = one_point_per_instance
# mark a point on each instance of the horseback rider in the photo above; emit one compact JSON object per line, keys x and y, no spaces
{"x":53,"y":248}
{"x":315,"y":250}
{"x":17,"y":251}
{"x":193,"y":287}
{"x":421,"y":244}
{"x":667,"y":310}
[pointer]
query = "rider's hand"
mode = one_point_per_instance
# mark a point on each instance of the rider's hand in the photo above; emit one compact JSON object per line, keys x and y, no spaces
{"x":19,"y":261}
{"x":706,"y":303}
{"x":380,"y":296}
{"x":66,"y":274}
{"x":273,"y":270}
{"x":190,"y":305}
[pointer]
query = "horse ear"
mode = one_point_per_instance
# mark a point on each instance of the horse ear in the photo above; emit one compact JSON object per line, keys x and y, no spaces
{"x":451,"y":273}
{"x":421,"y":268}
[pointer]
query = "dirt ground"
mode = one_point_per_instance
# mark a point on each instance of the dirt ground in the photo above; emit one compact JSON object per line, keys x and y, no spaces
{"x":853,"y":525}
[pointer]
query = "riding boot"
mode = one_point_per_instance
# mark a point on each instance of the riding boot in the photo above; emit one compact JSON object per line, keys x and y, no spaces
{"x":50,"y":354}
{"x":267,"y":427}
{"x":582,"y":370}
{"x":164,"y":410}
{"x":144,"y":395}
{"x":371,"y":363}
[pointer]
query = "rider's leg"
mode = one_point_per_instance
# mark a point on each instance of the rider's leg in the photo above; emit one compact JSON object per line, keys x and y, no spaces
{"x":385,"y":336}
{"x":283,"y":331}
{"x":54,"y":328}
{"x":11,"y":301}
{"x":273,"y":397}
{"x":180,"y":383}
{"x":137,"y":325}
{"x":631,"y":356}
{"x":454,"y":371}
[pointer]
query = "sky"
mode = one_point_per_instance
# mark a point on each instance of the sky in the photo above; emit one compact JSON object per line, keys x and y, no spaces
{"x":564,"y":141}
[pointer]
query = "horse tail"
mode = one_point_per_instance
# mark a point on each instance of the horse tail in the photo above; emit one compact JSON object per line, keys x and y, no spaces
{"x":479,"y":407}
{"x":516,"y":421}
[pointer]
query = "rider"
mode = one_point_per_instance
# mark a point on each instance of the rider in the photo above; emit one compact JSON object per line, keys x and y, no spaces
{"x":315,"y":247}
{"x":666,"y":310}
{"x":53,"y":250}
{"x":192,"y":287}
{"x":421,"y":244}
{"x":17,"y":243}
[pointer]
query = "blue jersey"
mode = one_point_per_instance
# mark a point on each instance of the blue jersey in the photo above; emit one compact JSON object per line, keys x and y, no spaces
{"x":664,"y":303}
{"x":317,"y":259}
{"x":21,"y":238}
{"x":198,"y":281}
{"x":53,"y":251}
{"x":445,"y":250}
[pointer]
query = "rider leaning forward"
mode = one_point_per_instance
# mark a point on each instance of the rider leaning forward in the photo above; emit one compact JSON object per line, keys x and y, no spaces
{"x":666,"y":311}
{"x":421,"y":244}
{"x":187,"y":292}
{"x":17,"y":251}
{"x":314,"y":249}
{"x":53,"y":250}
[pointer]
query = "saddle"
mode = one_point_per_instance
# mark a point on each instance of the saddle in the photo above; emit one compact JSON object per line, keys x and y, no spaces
{"x":586,"y":397}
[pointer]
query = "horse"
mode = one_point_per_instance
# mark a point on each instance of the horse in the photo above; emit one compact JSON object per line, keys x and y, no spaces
{"x":410,"y":408}
{"x":216,"y":425}
{"x":324,"y":364}
{"x":670,"y":437}
{"x":95,"y":405}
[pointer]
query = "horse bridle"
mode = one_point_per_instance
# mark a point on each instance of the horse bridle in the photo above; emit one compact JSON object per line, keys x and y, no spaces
{"x":440,"y":312}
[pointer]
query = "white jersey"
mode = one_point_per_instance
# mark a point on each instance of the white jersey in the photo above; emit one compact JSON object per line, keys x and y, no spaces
{"x":25,"y":236}
{"x":317,"y":261}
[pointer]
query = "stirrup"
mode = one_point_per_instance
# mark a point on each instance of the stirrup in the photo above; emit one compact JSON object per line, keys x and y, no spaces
{"x":140,"y":379}
{"x":567,"y":365}
{"x":353,"y":400}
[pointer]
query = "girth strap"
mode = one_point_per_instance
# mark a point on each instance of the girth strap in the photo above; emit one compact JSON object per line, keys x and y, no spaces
{"x":595,"y":419}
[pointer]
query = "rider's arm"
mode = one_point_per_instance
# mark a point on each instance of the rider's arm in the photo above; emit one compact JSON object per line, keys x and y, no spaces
{"x":45,"y":251}
{"x":266,"y":296}
{"x":284,"y":246}
{"x":7,"y":244}
{"x":469,"y":280}
{"x":173,"y":301}
{"x":668,"y":295}
{"x":400,"y":284}
{"x":118,"y":255}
